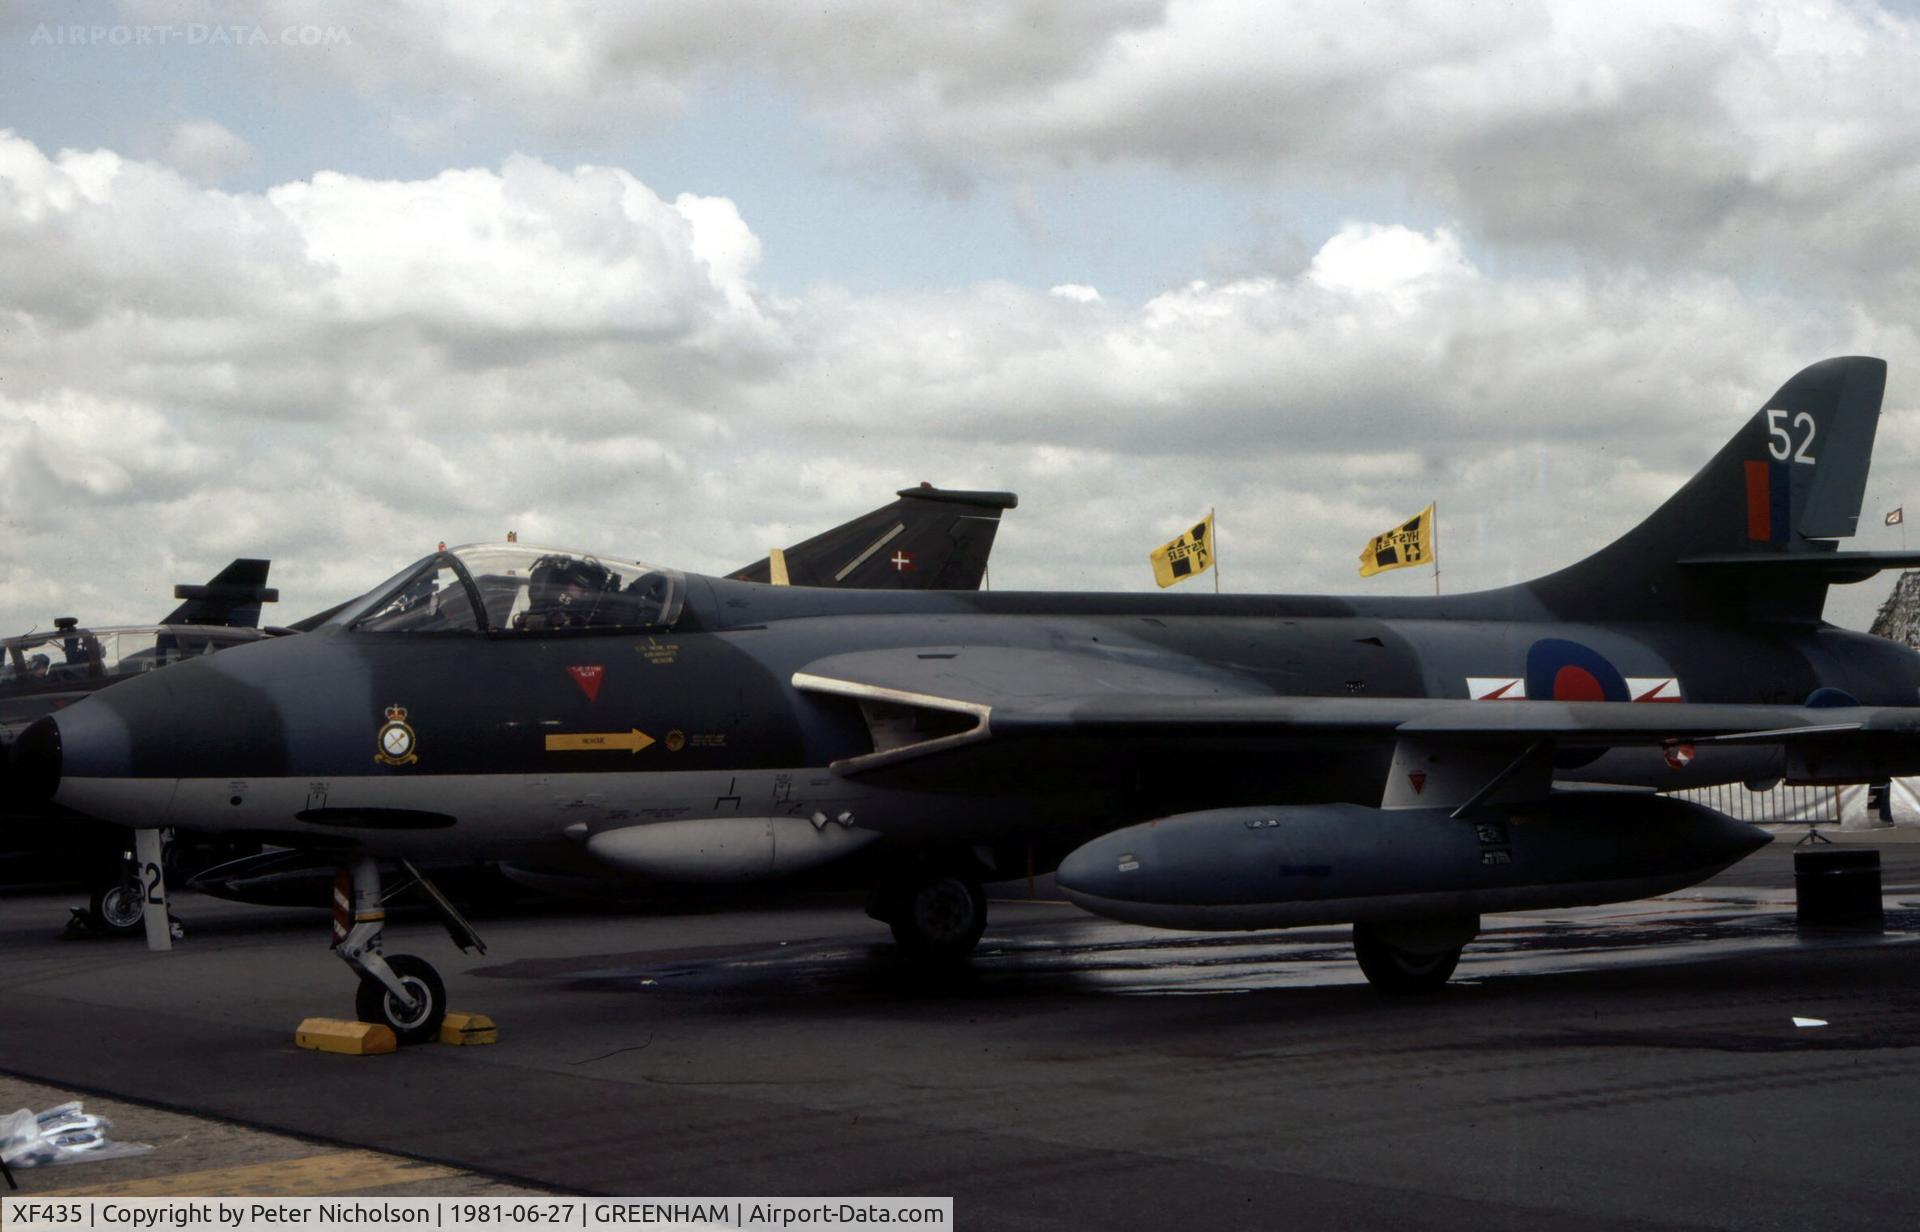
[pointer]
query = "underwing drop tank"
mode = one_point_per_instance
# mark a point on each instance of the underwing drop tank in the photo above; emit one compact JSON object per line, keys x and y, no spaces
{"x":1282,"y":866}
{"x":729,"y":850}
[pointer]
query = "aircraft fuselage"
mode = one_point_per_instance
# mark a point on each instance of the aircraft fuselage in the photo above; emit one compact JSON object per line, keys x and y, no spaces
{"x":524,"y":747}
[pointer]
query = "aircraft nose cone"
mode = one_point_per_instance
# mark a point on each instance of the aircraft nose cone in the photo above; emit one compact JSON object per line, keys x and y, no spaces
{"x":35,"y":762}
{"x":77,"y":757}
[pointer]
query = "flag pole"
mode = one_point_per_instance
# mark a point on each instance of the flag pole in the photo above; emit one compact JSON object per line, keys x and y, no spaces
{"x":1436,"y":548}
{"x":1216,"y":550}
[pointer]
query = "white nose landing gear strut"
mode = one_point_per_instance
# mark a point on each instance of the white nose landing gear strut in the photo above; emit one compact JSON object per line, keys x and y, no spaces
{"x":400,"y":991}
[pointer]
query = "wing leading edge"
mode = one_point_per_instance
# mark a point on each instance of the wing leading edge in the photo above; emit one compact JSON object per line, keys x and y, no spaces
{"x":1012,"y":695}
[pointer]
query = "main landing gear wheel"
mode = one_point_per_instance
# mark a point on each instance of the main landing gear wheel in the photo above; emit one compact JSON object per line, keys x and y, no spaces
{"x":1400,"y":971}
{"x":117,"y":909}
{"x":411,"y":1025}
{"x":939,"y":918}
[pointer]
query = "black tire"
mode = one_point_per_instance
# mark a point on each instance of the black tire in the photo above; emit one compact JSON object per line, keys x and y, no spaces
{"x":939,"y":918}
{"x":118,"y":909}
{"x":1399,"y":972}
{"x":373,"y":1003}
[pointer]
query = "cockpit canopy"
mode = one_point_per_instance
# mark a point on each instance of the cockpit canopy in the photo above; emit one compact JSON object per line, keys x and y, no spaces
{"x":511,"y":588}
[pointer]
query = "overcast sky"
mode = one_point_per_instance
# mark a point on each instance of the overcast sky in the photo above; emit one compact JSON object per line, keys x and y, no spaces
{"x":685,"y":280}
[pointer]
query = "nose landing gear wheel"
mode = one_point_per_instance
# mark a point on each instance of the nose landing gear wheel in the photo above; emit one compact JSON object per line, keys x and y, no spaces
{"x":118,"y":908}
{"x":373,"y":1003}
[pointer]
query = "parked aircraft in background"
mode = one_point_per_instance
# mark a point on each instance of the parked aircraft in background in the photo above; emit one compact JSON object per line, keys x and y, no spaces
{"x":231,"y":597}
{"x":50,"y":670}
{"x":564,"y":710}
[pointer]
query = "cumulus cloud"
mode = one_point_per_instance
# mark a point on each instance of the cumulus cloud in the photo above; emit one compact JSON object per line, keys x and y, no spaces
{"x":529,"y":249}
{"x":479,"y":343}
{"x":205,"y":150}
{"x":578,"y":67}
{"x":1728,"y":136}
{"x":90,"y":234}
{"x":340,"y":371}
{"x":1391,"y":263}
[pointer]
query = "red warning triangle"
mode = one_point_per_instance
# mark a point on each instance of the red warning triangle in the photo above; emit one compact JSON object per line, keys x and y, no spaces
{"x":1419,"y":780}
{"x":588,"y":678}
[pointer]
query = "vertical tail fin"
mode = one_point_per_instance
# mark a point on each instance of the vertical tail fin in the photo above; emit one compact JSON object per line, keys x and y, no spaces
{"x":929,"y":539}
{"x":231,"y":597}
{"x":1752,"y":535}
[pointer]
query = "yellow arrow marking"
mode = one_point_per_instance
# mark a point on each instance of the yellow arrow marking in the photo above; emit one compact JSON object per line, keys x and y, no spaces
{"x":633,"y":741}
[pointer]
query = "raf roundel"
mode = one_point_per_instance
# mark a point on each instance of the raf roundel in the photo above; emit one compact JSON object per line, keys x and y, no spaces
{"x":1563,"y":671}
{"x":396,"y":740}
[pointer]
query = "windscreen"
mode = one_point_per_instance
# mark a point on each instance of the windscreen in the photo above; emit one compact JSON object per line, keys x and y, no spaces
{"x":432,"y":599}
{"x":514,"y":589}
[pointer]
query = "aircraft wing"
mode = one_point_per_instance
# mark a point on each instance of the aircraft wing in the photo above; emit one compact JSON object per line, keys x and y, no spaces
{"x":925,"y":701}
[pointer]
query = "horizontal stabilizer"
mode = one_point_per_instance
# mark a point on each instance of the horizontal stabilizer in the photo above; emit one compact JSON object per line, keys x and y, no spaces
{"x":1822,"y":568}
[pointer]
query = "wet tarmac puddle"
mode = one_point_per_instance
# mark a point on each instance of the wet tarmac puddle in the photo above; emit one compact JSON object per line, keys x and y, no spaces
{"x":1080,"y":954}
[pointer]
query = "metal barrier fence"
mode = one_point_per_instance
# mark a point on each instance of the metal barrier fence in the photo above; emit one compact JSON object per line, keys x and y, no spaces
{"x":1787,"y":803}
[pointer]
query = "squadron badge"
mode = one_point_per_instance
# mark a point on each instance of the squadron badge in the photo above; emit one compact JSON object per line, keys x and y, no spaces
{"x":396,"y":740}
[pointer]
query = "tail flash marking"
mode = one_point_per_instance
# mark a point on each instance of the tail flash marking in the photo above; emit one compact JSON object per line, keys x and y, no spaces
{"x":1769,"y":503}
{"x":1781,"y":506}
{"x":1759,"y":503}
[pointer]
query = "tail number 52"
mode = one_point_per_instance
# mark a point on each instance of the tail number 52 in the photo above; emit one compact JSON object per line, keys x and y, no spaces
{"x":1780,"y":441}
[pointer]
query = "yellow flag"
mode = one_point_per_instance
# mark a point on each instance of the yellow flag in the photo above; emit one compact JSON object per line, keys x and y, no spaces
{"x":1410,"y":543}
{"x":1187,"y":556}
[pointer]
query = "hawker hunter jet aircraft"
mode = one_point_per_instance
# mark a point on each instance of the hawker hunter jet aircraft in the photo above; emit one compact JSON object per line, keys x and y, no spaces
{"x":1230,"y":761}
{"x":928,"y":539}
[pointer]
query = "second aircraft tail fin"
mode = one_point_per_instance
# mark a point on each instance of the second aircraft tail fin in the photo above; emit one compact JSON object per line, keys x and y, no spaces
{"x":230,"y":597}
{"x":929,"y":539}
